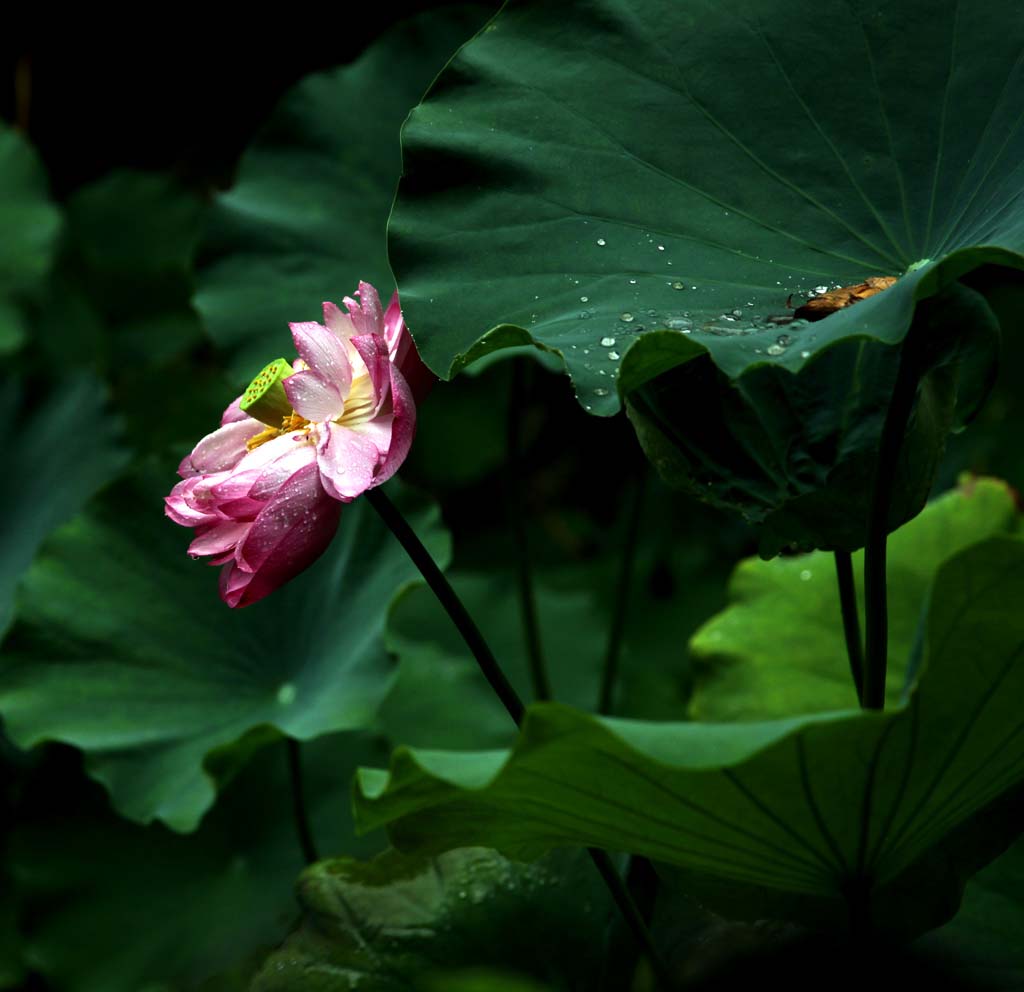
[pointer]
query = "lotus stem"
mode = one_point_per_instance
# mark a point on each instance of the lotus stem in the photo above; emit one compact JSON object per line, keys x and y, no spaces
{"x":448,"y":598}
{"x":613,"y":653}
{"x":524,"y":573}
{"x":851,"y":620}
{"x":492,"y":671}
{"x":876,"y":617}
{"x":302,"y":826}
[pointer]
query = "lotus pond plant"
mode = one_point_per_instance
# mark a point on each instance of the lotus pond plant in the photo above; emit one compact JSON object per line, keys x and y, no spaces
{"x":673,"y":638}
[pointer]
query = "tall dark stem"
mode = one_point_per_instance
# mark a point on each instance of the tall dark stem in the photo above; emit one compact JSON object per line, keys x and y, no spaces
{"x":518,"y":391}
{"x":876,"y":617}
{"x":851,"y":620}
{"x":610,"y":672}
{"x":448,"y":598}
{"x":302,"y":827}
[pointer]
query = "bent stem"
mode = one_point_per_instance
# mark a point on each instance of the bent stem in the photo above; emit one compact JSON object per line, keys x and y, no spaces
{"x":514,"y":474}
{"x":302,"y":827}
{"x":851,"y":620}
{"x":487,"y":663}
{"x":447,"y":597}
{"x":610,"y":672}
{"x":876,"y":617}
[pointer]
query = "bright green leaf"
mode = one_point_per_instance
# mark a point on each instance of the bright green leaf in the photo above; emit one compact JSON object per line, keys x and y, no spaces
{"x":306,"y":219}
{"x":798,"y":808}
{"x":778,"y":650}
{"x":125,"y":650}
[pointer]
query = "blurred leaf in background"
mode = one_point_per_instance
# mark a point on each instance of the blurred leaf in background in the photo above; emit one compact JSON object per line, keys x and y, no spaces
{"x":306,"y":218}
{"x":110,"y":906}
{"x":124,"y":648}
{"x":31,"y":223}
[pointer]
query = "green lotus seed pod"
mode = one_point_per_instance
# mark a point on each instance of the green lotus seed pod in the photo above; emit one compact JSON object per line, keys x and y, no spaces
{"x":265,"y":397}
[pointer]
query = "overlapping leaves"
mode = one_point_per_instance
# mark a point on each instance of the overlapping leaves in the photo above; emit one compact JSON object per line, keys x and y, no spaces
{"x":792,"y":807}
{"x":779,"y":649}
{"x":643,"y":188}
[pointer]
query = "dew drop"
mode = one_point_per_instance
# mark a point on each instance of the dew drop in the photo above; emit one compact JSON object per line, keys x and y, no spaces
{"x":805,"y":354}
{"x":632,"y":282}
{"x":661,"y":247}
{"x":820,"y":289}
{"x":774,"y":349}
{"x":678,"y":285}
{"x":602,"y":242}
{"x":584,"y":299}
{"x":613,"y":355}
{"x":737,"y":313}
{"x":806,"y":575}
{"x":600,"y":391}
{"x":286,"y":694}
{"x":626,"y":317}
{"x":607,"y":342}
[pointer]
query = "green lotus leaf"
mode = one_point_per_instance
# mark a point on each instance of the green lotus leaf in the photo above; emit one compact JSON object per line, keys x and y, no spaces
{"x":814,"y":810}
{"x":111,"y":906}
{"x":401,"y":923}
{"x":778,"y":650}
{"x":124,"y":649}
{"x":306,"y":218}
{"x":596,"y":170}
{"x":58,"y":465}
{"x":982,"y":944}
{"x":651,"y":190}
{"x":31,"y":224}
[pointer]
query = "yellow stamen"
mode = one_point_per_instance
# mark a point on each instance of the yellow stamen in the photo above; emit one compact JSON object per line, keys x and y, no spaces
{"x":267,"y":434}
{"x":292,"y":422}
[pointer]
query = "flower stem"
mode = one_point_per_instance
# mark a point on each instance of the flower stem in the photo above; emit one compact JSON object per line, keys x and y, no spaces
{"x":851,"y":619}
{"x":514,"y":487}
{"x":610,"y":673}
{"x":632,"y":915}
{"x":302,"y":827}
{"x":876,"y":617}
{"x":448,"y":598}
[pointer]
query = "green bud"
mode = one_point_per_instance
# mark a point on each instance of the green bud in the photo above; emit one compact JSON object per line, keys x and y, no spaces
{"x":265,"y":398}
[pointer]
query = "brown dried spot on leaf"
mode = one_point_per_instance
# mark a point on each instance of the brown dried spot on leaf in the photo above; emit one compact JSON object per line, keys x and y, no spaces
{"x":818,"y":307}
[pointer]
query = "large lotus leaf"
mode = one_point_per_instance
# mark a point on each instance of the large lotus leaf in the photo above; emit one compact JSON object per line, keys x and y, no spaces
{"x":801,"y":808}
{"x":306,"y":218}
{"x":124,"y":649}
{"x":779,"y":650}
{"x":403,"y":923}
{"x":30,"y":222}
{"x":644,"y":186}
{"x":595,"y":169}
{"x":61,"y":445}
{"x":110,"y":906}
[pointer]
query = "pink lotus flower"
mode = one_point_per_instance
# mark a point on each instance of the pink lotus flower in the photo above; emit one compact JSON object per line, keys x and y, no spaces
{"x":264,"y":491}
